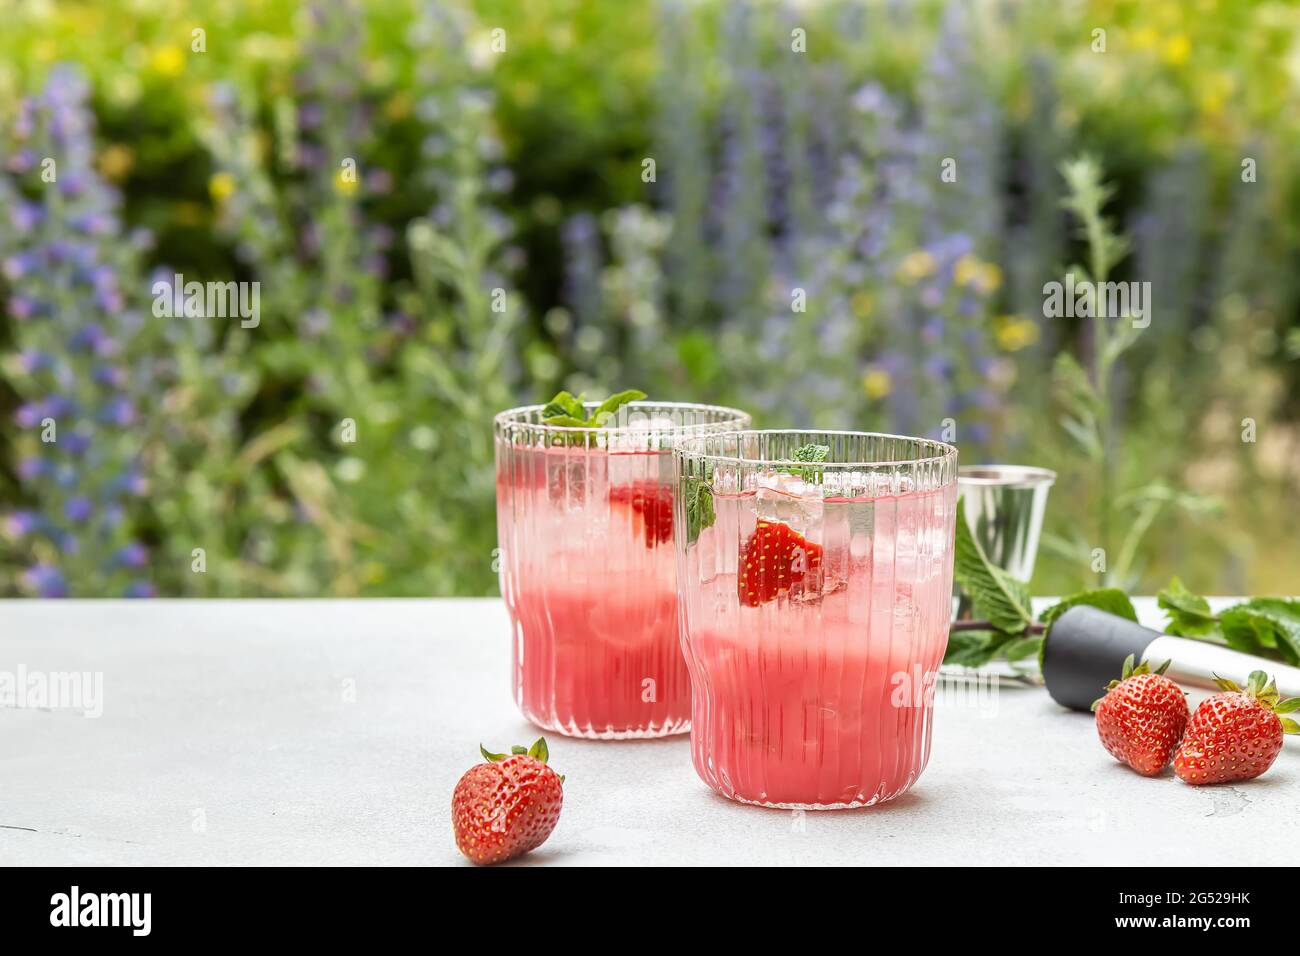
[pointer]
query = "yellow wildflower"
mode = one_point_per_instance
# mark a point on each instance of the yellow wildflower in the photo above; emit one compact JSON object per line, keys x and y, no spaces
{"x":168,"y":61}
{"x":1144,"y":38}
{"x":916,"y":266}
{"x":1177,"y":49}
{"x":877,"y":383}
{"x":115,"y":162}
{"x":1014,"y":333}
{"x":966,"y":270}
{"x":221,"y":186}
{"x":983,"y":277}
{"x":345,"y":182}
{"x":1216,"y":89}
{"x":989,"y":278}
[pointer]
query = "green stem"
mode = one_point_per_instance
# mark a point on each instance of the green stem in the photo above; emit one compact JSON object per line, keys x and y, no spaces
{"x":957,"y":626}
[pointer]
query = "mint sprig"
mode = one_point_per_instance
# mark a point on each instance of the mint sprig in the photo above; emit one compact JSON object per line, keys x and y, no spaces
{"x":996,"y":595}
{"x":570,"y":411}
{"x":1111,"y":600}
{"x":810,"y":453}
{"x":1010,"y":631}
{"x":1265,"y":626}
{"x":699,"y":507}
{"x":699,"y":498}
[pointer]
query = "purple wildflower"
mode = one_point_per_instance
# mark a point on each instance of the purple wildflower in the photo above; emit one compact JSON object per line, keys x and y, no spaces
{"x":46,"y":580}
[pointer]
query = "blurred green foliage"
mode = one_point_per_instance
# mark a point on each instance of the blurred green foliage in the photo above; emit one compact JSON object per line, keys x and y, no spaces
{"x":522,"y":169}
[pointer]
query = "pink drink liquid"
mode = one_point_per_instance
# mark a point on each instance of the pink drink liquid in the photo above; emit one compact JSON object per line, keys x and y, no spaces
{"x":822,"y":697}
{"x":590,"y":579}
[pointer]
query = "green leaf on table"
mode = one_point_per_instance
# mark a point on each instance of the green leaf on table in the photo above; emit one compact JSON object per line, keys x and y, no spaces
{"x":1189,"y":614}
{"x":1022,"y":647}
{"x":1111,"y":600}
{"x":1266,"y":626}
{"x":997,"y":596}
{"x":976,"y":648}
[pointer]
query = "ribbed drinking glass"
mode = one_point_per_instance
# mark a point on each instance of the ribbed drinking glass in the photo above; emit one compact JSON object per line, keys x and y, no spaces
{"x":816,"y":601}
{"x":588,"y":571}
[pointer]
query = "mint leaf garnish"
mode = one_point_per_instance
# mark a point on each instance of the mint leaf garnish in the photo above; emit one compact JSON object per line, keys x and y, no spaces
{"x":996,"y":595}
{"x":564,"y":405}
{"x":616,"y":401}
{"x":811,"y":453}
{"x":699,"y":507}
{"x":569,"y":411}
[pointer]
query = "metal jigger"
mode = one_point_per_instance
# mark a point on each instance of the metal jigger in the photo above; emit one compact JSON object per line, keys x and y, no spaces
{"x":1004,"y":508}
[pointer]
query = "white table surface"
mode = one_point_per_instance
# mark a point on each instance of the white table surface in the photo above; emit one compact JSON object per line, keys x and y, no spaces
{"x":226,"y":738}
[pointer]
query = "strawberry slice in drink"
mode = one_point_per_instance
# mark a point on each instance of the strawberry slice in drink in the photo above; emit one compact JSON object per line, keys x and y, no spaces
{"x":652,"y":509}
{"x":775,"y":560}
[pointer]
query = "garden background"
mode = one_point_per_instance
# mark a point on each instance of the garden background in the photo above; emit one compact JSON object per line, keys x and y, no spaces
{"x":504,"y":236}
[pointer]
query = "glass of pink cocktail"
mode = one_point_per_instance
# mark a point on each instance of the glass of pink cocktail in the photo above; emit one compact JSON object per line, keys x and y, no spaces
{"x":815,"y":574}
{"x":588,"y":570}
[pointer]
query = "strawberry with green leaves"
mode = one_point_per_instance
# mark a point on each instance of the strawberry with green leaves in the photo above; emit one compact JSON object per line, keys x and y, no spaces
{"x":1142,"y":717}
{"x":1236,"y":734}
{"x":505,"y":807}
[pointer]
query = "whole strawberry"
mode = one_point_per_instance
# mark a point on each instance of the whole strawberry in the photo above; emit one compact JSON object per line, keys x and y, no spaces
{"x":1142,"y":718}
{"x":1235,"y":735}
{"x":505,"y":807}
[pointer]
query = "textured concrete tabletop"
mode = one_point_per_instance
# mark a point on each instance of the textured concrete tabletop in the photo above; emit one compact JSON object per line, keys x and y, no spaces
{"x":332,"y":732}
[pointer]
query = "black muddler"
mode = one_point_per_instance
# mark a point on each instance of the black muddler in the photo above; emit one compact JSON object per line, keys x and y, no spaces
{"x":1086,"y":647}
